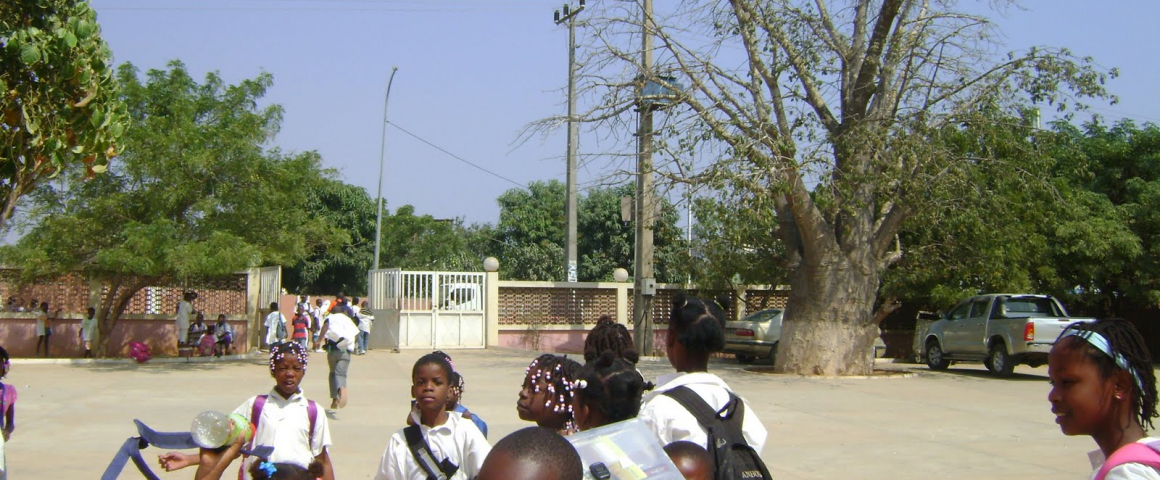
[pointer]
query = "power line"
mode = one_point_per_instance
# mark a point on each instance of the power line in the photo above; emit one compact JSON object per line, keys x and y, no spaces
{"x":335,"y":6}
{"x":457,"y":157}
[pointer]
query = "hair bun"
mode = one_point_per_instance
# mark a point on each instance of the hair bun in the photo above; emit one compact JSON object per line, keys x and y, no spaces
{"x":679,"y":300}
{"x":606,"y":359}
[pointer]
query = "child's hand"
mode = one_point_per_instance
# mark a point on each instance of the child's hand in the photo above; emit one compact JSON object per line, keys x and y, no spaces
{"x":174,"y":461}
{"x":7,"y":435}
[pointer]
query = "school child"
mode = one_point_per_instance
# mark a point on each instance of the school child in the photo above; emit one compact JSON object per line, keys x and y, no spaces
{"x":197,"y":329}
{"x":43,"y":327}
{"x":693,"y":461}
{"x":695,"y":332}
{"x":88,"y":326}
{"x":224,"y":334}
{"x":301,"y":325}
{"x":207,"y":344}
{"x":438,"y":442}
{"x":275,"y":325}
{"x":453,"y":405}
{"x":283,"y":419}
{"x":609,"y":335}
{"x":7,"y":411}
{"x":1102,"y":385}
{"x":546,"y":394}
{"x":365,"y":319}
{"x":607,"y":390}
{"x":533,"y":452}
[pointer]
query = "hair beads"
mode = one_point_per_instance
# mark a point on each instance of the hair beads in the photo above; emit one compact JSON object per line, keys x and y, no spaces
{"x":279,"y":351}
{"x":556,"y":373}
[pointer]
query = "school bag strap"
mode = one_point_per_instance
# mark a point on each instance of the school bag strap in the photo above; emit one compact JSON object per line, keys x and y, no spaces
{"x":703,"y":412}
{"x":3,"y":406}
{"x":422,"y":452}
{"x":732,"y":456}
{"x":1142,"y":453}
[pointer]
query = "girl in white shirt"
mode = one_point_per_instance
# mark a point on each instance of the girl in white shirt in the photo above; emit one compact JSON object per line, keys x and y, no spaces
{"x":695,"y":332}
{"x":1102,"y":385}
{"x":607,"y":390}
{"x":454,"y":446}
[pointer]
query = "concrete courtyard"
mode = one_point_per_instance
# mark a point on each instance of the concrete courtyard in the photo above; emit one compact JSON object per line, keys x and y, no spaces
{"x":958,"y":424}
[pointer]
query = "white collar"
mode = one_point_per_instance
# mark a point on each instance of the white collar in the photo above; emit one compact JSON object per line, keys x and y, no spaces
{"x":673,"y":380}
{"x":277,"y":397}
{"x":447,"y":425}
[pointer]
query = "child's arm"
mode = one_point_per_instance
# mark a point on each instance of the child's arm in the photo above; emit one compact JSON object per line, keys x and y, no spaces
{"x":176,"y":460}
{"x":216,"y":462}
{"x":324,"y":460}
{"x":9,"y":422}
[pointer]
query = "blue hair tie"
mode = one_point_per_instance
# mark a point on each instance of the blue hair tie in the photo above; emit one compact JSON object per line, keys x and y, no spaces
{"x":1102,"y":344}
{"x":268,"y":468}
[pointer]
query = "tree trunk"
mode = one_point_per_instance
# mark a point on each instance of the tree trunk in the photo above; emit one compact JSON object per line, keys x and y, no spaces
{"x":828,"y":327}
{"x":118,"y":291}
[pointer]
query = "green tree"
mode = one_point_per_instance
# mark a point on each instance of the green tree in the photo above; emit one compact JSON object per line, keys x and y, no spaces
{"x":834,"y":114}
{"x":333,"y":268}
{"x":423,"y":242}
{"x":197,"y":196}
{"x":58,"y":96}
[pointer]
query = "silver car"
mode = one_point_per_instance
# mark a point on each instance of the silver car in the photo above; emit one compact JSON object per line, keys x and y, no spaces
{"x":757,"y":335}
{"x":754,"y":336}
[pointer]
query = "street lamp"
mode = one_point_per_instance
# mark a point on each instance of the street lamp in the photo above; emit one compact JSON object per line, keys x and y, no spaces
{"x":382,"y":157}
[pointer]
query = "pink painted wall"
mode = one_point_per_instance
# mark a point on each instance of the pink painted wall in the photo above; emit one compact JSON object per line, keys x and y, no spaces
{"x":18,"y":336}
{"x":559,"y":341}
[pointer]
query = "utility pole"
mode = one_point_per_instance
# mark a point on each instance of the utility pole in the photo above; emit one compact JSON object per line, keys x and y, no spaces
{"x":644,"y":287}
{"x":382,"y":157}
{"x":573,"y":133}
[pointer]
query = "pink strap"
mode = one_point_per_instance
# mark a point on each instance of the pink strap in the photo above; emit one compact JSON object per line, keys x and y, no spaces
{"x":1144,"y":454}
{"x":255,"y":417}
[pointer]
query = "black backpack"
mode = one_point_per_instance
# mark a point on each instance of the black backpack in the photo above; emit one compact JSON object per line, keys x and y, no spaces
{"x":733,"y":458}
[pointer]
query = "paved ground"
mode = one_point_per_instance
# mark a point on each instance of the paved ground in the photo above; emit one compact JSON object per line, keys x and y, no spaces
{"x":959,"y":424}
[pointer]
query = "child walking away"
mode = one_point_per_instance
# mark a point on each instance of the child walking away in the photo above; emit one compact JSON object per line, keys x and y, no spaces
{"x":275,"y":326}
{"x":1102,"y":385}
{"x":43,"y":328}
{"x":695,"y":405}
{"x":88,"y":326}
{"x":283,"y":419}
{"x":7,"y":411}
{"x":533,"y":452}
{"x":301,"y":325}
{"x":607,"y":390}
{"x":438,"y":444}
{"x":546,"y":394}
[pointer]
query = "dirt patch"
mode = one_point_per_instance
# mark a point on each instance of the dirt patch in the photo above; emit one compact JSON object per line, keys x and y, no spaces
{"x":878,"y":373}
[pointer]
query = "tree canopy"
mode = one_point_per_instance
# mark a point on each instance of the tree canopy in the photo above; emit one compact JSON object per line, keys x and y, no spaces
{"x":196,"y":195}
{"x":59,"y":104}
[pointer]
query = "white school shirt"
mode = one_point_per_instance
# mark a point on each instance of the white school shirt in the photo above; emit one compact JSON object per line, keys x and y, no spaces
{"x":272,"y":326}
{"x":285,"y":425}
{"x":457,"y":439}
{"x":184,"y":310}
{"x":671,"y":422}
{"x":1127,"y":471}
{"x":41,"y":320}
{"x":87,"y":326}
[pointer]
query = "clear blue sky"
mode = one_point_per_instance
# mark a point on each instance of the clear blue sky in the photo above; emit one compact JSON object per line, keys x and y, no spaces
{"x":472,"y":73}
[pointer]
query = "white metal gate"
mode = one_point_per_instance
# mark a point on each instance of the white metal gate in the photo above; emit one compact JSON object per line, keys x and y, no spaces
{"x":439,"y":310}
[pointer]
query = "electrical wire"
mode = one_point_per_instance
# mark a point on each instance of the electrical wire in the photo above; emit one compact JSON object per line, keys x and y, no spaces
{"x":457,"y":157}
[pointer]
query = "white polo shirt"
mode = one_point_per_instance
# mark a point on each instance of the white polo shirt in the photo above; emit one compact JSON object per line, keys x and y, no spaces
{"x":285,"y":425}
{"x":671,"y":422}
{"x":457,"y":439}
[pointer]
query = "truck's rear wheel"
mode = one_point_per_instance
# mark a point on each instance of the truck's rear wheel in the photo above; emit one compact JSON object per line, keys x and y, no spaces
{"x":1002,"y":365}
{"x":934,"y":356}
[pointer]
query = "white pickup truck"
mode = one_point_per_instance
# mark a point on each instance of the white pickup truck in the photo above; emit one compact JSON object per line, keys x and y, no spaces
{"x":1000,"y":330}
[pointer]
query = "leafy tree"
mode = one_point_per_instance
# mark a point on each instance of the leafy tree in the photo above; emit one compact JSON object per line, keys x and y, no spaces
{"x":833,"y":112}
{"x":529,"y":239}
{"x":423,"y":242}
{"x":736,"y":245}
{"x":196,"y":196}
{"x":58,"y":97}
{"x":333,"y":268}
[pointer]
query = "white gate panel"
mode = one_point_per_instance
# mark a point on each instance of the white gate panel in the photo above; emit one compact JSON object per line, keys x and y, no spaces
{"x":417,"y":330}
{"x":441,"y":310}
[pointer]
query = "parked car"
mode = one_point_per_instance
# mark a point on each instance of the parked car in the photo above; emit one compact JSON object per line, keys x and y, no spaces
{"x":754,"y":336}
{"x":757,"y":336}
{"x":1000,"y":330}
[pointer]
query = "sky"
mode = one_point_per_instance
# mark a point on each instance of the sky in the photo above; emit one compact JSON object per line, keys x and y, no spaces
{"x":472,"y":74}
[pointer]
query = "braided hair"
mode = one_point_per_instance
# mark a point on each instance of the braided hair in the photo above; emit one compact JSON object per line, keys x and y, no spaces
{"x":1124,"y":340}
{"x":699,"y":324}
{"x":278,"y":351}
{"x":558,"y":372}
{"x":612,"y":386}
{"x":437,"y":357}
{"x":4,"y":360}
{"x":266,"y":470}
{"x":612,"y":336}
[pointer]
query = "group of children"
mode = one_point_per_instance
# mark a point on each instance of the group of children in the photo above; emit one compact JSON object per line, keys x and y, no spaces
{"x":1102,"y":385}
{"x":212,"y":339}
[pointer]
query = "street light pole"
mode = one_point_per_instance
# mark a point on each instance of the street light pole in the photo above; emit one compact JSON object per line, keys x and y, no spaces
{"x":573,"y":133}
{"x":382,"y":157}
{"x":644,"y":287}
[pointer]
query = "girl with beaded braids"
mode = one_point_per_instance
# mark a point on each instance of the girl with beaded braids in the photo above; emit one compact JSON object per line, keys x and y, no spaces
{"x":546,"y":394}
{"x":607,"y":390}
{"x":284,"y":419}
{"x":1102,"y":385}
{"x":696,"y":331}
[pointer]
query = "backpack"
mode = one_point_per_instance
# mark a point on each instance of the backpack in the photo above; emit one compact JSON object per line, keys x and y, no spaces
{"x":256,"y":418}
{"x":1142,"y":453}
{"x":733,"y":458}
{"x":435,"y":469}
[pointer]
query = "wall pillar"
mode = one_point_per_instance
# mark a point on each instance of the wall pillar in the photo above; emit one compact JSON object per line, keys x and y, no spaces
{"x":253,"y":310}
{"x":622,"y":304}
{"x":491,"y":304}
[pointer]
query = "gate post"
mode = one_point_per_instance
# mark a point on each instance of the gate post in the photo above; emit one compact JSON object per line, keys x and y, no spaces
{"x":253,"y":314}
{"x":491,"y":301}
